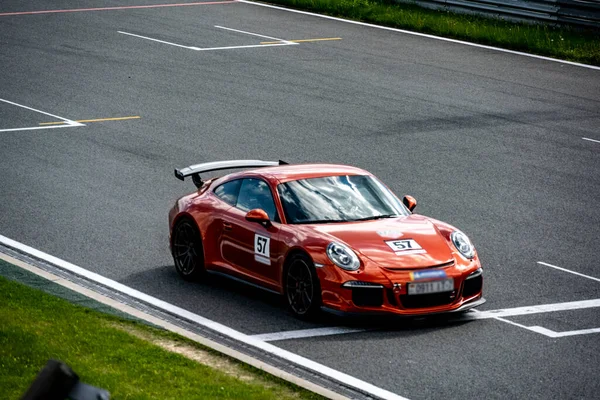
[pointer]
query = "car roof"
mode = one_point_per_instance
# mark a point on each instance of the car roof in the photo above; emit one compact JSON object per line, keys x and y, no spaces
{"x":292,"y":172}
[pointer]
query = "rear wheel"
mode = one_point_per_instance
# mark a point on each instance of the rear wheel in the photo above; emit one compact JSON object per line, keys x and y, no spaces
{"x":302,"y":288}
{"x":188,"y":253}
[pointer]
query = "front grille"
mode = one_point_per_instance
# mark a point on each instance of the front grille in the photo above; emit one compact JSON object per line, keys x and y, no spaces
{"x":472,"y":286}
{"x":367,"y":297}
{"x":427,"y":300}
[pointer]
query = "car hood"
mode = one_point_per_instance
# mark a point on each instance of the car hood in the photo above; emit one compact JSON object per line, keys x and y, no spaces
{"x":369,"y":239}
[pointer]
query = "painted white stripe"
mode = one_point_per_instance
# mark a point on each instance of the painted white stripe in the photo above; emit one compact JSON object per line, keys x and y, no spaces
{"x":222,"y":329}
{"x":542,"y":308}
{"x":254,"y":34}
{"x":262,"y":259}
{"x":482,"y":46}
{"x":569,"y":271}
{"x":306,"y":333}
{"x":591,"y":140}
{"x":34,"y":128}
{"x":156,"y":40}
{"x":242,"y":47}
{"x":552,"y":334}
{"x":283,"y":42}
{"x":67,"y":121}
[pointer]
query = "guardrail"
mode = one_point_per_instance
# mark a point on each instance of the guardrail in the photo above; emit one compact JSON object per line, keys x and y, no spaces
{"x":583,"y":13}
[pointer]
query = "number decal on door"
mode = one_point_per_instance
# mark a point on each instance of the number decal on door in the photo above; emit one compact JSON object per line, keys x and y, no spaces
{"x":262,"y":250}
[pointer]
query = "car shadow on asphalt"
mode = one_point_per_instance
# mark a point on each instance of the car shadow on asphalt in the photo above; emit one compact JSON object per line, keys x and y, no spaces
{"x":243,"y":306}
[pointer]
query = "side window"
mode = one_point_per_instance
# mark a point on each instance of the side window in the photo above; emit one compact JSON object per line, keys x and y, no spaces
{"x":256,"y":193}
{"x":228,"y":192}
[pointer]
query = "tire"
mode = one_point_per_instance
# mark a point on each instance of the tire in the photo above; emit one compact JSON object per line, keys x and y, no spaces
{"x":302,"y":289}
{"x":187,"y":250}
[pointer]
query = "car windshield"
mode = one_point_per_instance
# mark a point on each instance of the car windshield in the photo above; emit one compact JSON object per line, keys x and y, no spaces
{"x":338,"y":199}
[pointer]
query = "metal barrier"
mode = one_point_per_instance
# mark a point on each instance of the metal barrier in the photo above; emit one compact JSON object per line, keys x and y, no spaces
{"x":583,"y":13}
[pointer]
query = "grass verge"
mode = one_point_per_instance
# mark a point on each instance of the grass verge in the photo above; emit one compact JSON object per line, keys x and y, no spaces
{"x":559,"y":42}
{"x":129,"y":359}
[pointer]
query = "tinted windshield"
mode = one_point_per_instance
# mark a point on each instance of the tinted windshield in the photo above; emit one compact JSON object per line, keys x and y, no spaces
{"x":338,"y":199}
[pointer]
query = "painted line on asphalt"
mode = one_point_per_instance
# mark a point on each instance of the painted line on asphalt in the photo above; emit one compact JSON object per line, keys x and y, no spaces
{"x":283,"y":42}
{"x":6,"y":14}
{"x":569,"y":271}
{"x":550,"y":333}
{"x":67,"y":122}
{"x":307,"y":40}
{"x":117,"y":305}
{"x":254,"y":34}
{"x":157,"y":40}
{"x":467,"y":316}
{"x":306,"y":333}
{"x":591,"y":140}
{"x":93,"y":120}
{"x":482,"y":46}
{"x":215,"y":326}
{"x":528,"y":310}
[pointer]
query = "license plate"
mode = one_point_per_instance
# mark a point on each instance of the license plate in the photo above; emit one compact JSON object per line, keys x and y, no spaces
{"x":446,"y":285}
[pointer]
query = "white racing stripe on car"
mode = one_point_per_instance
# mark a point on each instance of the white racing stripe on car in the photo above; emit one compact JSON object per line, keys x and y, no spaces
{"x":215,"y":326}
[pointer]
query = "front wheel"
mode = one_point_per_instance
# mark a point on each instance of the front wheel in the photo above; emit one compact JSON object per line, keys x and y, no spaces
{"x":302,"y":288}
{"x":188,"y":253}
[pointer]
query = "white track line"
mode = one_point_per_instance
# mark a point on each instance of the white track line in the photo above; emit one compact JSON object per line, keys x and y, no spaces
{"x":68,"y":122}
{"x":283,"y":42}
{"x":222,"y":329}
{"x":243,"y":47}
{"x":591,"y":140}
{"x":527,"y":310}
{"x":569,"y":271}
{"x":422,"y":35}
{"x":157,"y":40}
{"x":254,"y":34}
{"x":306,"y":333}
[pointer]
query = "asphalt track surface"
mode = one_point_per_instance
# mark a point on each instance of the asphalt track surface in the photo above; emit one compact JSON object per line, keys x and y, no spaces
{"x":489,"y":141}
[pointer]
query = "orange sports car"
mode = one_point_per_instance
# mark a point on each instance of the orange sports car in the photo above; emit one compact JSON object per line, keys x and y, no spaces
{"x":326,"y":237}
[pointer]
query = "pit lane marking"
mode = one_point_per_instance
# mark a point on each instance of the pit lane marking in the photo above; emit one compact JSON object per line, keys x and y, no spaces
{"x":306,"y":40}
{"x":6,"y":14}
{"x":568,"y":270}
{"x":591,"y":140}
{"x":305,"y":333}
{"x":288,"y":356}
{"x":279,"y":42}
{"x":470,"y":315}
{"x":93,"y":120}
{"x":65,"y":124}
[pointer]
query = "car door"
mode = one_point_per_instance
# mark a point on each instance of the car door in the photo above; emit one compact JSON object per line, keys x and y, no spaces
{"x":251,"y":246}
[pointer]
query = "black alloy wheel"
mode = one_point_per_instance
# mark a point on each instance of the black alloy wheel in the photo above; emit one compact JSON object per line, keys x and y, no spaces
{"x":188,"y":253}
{"x":302,"y":288}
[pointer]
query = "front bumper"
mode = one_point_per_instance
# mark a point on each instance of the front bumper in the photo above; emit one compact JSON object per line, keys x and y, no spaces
{"x":386,"y":293}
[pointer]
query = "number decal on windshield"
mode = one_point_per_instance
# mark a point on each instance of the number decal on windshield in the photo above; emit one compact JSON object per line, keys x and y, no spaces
{"x":407,"y":246}
{"x":262,"y":249}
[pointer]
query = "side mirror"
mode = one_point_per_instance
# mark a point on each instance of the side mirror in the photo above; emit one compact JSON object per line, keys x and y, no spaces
{"x":258,"y":215}
{"x":409,"y":202}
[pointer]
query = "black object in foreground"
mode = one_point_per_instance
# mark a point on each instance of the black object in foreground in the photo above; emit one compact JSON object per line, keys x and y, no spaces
{"x":56,"y":381}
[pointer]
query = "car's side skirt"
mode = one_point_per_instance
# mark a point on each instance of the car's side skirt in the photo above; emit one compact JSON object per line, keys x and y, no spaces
{"x":240,"y":280}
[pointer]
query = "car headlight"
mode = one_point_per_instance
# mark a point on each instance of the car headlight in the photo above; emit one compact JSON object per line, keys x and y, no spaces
{"x":463,"y":244}
{"x":343,"y":256}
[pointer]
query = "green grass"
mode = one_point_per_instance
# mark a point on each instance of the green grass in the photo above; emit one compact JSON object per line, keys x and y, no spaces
{"x":564,"y":43}
{"x":35,"y":327}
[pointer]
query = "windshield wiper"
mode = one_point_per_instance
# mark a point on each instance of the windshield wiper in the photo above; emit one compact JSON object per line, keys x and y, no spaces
{"x":376,"y":217}
{"x":320,"y":221}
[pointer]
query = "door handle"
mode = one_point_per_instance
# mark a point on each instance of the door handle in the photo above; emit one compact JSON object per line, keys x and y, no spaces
{"x":227,"y":226}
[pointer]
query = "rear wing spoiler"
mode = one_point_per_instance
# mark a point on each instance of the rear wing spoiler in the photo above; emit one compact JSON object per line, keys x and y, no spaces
{"x":195,"y":170}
